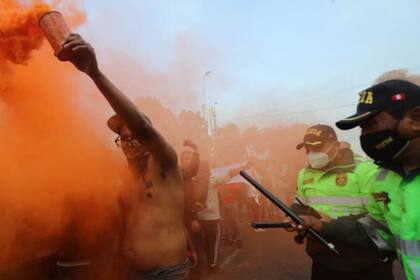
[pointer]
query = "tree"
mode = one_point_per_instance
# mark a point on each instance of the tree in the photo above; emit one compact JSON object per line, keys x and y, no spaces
{"x":194,"y":127}
{"x":398,"y":74}
{"x":162,"y":118}
{"x":228,"y":148}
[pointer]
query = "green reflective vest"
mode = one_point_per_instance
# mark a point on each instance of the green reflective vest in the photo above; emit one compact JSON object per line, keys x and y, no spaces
{"x":395,"y":203}
{"x":338,"y":191}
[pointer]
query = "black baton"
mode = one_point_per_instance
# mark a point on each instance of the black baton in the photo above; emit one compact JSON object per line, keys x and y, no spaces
{"x":271,"y":225}
{"x":289,"y":212}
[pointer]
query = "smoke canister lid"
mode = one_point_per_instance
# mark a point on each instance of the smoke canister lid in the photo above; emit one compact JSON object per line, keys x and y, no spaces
{"x":56,"y":31}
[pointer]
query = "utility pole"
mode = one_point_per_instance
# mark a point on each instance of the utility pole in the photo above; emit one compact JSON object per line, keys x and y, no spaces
{"x":204,"y":107}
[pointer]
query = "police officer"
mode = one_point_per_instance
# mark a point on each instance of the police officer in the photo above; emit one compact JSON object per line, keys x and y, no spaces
{"x":389,"y":116}
{"x":335,"y":185}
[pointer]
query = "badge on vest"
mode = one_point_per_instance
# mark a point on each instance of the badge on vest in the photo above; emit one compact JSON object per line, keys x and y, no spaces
{"x":341,"y":179}
{"x":382,"y":196}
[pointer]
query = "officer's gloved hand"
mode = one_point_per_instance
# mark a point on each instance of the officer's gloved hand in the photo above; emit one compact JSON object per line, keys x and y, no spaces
{"x":324,"y":217}
{"x":289,"y":221}
{"x":306,"y":210}
{"x":299,"y":229}
{"x":294,"y":227}
{"x":312,"y":222}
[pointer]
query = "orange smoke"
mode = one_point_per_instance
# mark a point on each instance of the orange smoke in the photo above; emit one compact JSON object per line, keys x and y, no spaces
{"x":19,"y":32}
{"x":55,"y":166}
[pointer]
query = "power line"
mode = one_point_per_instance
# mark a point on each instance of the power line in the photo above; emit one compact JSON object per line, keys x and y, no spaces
{"x":297,"y":112}
{"x":337,"y":92}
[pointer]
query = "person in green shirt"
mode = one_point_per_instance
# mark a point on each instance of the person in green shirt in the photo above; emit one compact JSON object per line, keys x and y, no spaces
{"x":336,"y":184}
{"x":389,"y":116}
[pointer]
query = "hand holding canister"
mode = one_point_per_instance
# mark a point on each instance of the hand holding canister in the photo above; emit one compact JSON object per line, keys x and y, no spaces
{"x":56,"y":31}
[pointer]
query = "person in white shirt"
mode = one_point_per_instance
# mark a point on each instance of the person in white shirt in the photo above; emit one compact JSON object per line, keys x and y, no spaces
{"x":209,"y":216}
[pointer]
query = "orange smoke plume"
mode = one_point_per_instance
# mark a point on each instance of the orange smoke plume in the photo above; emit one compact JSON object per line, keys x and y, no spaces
{"x":55,"y":167}
{"x":19,"y":32}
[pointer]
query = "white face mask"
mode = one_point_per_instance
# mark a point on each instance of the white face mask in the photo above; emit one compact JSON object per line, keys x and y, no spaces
{"x":318,"y":160}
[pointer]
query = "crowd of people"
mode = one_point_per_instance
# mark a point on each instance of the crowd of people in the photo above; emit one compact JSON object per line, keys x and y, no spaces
{"x":175,"y":210}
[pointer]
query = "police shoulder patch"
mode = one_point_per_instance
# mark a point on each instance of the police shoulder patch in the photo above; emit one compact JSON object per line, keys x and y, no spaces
{"x":382,"y":196}
{"x":341,"y":179}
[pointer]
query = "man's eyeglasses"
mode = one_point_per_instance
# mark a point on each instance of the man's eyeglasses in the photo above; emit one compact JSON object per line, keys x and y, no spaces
{"x":127,"y":142}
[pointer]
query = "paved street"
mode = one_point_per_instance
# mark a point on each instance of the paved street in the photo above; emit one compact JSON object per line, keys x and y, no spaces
{"x":266,"y":255}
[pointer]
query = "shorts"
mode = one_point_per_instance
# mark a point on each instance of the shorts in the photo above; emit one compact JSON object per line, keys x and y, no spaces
{"x":177,"y":272}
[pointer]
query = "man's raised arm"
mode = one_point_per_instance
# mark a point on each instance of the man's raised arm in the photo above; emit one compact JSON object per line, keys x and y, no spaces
{"x":84,"y":59}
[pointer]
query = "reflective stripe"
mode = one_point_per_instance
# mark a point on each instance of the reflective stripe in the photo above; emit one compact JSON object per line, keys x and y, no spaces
{"x":356,"y":211}
{"x":337,"y":200}
{"x":350,"y":211}
{"x":414,"y":268}
{"x":364,"y":199}
{"x":301,"y":198}
{"x":334,"y":213}
{"x":371,"y":226}
{"x":382,"y":174}
{"x":410,"y":248}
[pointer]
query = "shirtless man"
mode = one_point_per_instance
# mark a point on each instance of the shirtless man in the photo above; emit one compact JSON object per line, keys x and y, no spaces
{"x":153,"y":245}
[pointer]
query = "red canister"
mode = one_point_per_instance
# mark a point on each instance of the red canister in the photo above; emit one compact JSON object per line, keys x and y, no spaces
{"x":56,"y":30}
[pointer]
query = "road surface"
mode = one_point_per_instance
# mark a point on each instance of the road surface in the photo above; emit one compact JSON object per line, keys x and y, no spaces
{"x":271,"y":254}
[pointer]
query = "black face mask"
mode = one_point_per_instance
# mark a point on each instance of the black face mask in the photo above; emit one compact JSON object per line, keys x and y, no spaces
{"x":383,"y":145}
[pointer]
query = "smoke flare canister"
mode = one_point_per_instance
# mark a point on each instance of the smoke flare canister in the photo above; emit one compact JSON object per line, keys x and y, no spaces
{"x":56,"y":31}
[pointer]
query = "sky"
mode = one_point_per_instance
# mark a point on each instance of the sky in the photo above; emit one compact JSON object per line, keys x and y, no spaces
{"x":271,"y":61}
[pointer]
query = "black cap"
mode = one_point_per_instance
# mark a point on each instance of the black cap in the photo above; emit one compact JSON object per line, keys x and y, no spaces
{"x":115,"y":123}
{"x":380,"y":97}
{"x":317,"y":136}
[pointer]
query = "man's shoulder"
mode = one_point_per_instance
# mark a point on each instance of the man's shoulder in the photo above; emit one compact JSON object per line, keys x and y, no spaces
{"x":366,"y":163}
{"x":308,"y":171}
{"x":366,"y":167}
